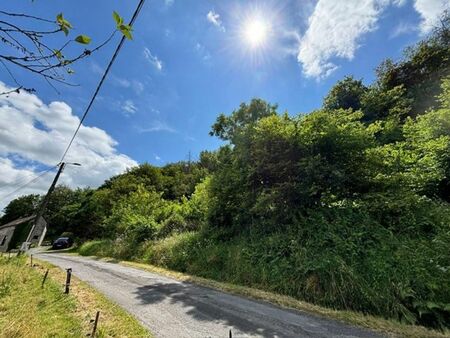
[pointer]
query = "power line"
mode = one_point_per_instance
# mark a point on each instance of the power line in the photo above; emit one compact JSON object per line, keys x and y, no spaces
{"x":20,"y":181}
{"x":28,"y":183}
{"x":119,"y":46}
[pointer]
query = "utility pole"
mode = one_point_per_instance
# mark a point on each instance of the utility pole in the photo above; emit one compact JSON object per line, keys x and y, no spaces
{"x":44,"y":203}
{"x":189,"y":162}
{"x":41,"y":210}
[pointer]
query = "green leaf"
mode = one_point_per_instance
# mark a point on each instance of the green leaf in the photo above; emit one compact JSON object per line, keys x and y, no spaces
{"x":58,"y":54}
{"x":432,"y":305}
{"x":126,"y":30}
{"x":63,"y":23}
{"x":84,"y":39}
{"x":65,"y":30}
{"x":117,"y":18}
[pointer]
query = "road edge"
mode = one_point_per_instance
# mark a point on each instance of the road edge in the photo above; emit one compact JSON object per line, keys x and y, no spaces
{"x":108,"y":308}
{"x":387,"y":327}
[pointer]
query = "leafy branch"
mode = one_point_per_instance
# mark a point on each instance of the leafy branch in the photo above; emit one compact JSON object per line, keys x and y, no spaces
{"x":31,"y":49}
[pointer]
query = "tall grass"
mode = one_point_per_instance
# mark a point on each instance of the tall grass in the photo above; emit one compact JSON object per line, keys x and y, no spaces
{"x":369,"y":269}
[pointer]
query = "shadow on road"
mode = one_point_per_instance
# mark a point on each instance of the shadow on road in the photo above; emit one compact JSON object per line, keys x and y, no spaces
{"x":209,"y":305}
{"x":203,"y":307}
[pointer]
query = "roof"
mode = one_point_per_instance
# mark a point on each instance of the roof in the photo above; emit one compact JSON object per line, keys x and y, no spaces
{"x":17,"y":222}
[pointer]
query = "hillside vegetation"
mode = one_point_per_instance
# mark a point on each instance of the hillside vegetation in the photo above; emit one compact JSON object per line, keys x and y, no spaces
{"x":346,"y":206}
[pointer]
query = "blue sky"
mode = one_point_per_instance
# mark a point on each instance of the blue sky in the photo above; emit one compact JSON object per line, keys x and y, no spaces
{"x":188,"y":62}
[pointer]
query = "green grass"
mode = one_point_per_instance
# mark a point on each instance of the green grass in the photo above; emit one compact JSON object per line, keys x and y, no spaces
{"x":211,"y":267}
{"x":27,"y":310}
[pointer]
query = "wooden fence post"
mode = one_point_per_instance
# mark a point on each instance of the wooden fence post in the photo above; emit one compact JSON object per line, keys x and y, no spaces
{"x":69,"y":275}
{"x":45,"y":277}
{"x":94,"y":328}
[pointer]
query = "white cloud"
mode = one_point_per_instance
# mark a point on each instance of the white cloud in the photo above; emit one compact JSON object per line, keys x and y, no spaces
{"x":121,"y":82}
{"x":335,"y":28}
{"x":214,"y":18}
{"x":157,"y":126}
{"x":169,"y":3}
{"x":137,"y":86}
{"x":129,"y":107}
{"x":153,"y":59}
{"x":403,"y":28}
{"x":38,"y":133}
{"x":399,"y":3}
{"x":430,"y":12}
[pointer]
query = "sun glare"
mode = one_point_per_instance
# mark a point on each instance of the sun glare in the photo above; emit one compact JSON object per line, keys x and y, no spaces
{"x":255,"y":32}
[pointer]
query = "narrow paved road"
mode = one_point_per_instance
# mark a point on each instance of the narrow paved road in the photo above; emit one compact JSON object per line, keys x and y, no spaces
{"x":170,"y":308}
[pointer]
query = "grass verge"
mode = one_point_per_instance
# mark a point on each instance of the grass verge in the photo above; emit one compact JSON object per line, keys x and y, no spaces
{"x":29,"y":310}
{"x":391,"y":328}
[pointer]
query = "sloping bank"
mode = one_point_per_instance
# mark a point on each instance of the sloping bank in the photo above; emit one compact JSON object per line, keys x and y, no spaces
{"x":28,"y":309}
{"x":260,"y":269}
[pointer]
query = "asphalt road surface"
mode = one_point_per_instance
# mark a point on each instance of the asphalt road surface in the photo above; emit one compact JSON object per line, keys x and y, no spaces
{"x":170,"y":308}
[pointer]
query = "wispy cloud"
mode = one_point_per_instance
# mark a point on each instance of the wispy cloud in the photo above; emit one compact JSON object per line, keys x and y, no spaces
{"x":137,"y":86}
{"x":153,"y":59}
{"x":121,"y":82}
{"x":214,"y":18}
{"x":157,"y":126}
{"x":169,"y":3}
{"x":128,"y":107}
{"x":202,"y":51}
{"x":403,"y":28}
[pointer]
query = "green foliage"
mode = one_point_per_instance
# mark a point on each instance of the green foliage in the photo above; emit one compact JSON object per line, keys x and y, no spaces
{"x":97,"y":248}
{"x":380,"y":104}
{"x":22,"y":206}
{"x":63,"y":24}
{"x":136,"y":216}
{"x":230,"y":127}
{"x":346,"y":94}
{"x":83,"y":39}
{"x":121,"y":26}
{"x":421,"y":70}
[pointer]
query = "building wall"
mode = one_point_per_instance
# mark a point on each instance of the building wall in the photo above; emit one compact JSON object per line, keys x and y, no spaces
{"x":37,"y":234}
{"x":8,"y":232}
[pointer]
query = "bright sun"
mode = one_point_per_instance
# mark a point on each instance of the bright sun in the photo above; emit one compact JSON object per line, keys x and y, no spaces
{"x":255,"y":32}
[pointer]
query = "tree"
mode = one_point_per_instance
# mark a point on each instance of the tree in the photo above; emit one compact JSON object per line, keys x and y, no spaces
{"x":208,"y":160}
{"x":422,"y":69}
{"x":229,"y":127}
{"x":20,"y":207}
{"x":346,"y":94}
{"x":34,"y":50}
